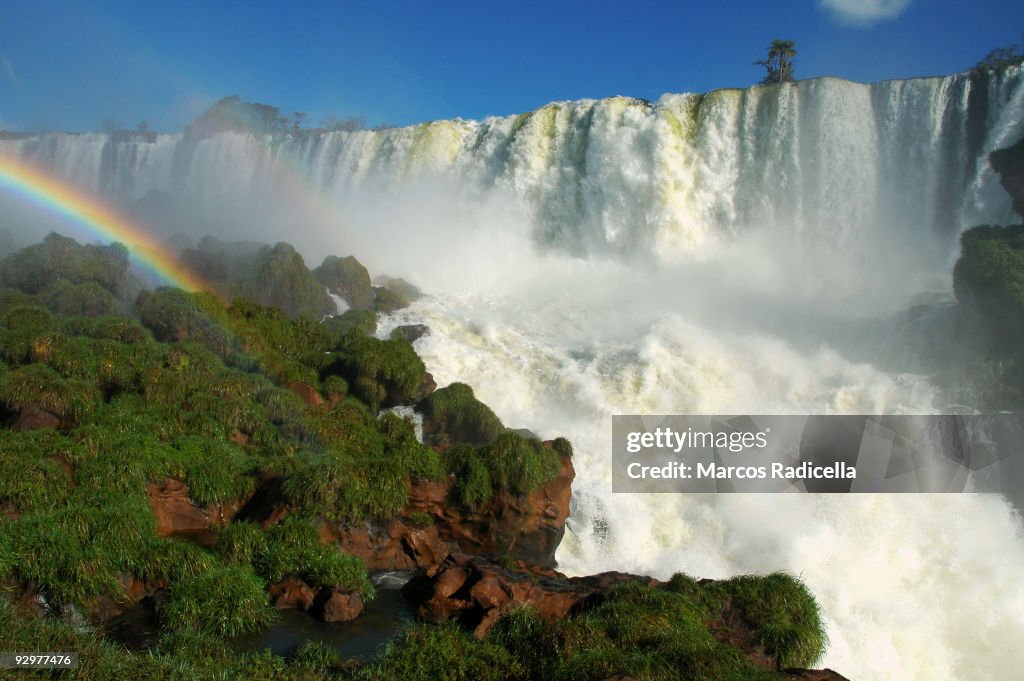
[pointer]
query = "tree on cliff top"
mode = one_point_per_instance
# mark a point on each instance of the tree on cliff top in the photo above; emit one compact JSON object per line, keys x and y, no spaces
{"x":779,"y":63}
{"x":1001,"y":58}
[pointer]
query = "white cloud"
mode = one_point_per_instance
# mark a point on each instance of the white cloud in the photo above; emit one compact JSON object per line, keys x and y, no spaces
{"x":864,"y":12}
{"x":9,"y":69}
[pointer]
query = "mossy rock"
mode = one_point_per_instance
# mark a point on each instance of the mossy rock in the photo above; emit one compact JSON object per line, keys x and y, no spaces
{"x":277,"y":277}
{"x":386,"y":300}
{"x":399,"y":286}
{"x":346,"y":277}
{"x":455,"y":414}
{"x":59,"y":258}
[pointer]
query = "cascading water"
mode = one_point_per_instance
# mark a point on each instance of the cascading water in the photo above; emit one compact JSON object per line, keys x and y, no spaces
{"x":704,"y":254}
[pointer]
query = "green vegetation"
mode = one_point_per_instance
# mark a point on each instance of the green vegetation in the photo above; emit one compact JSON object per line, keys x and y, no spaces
{"x":443,"y":652}
{"x":647,"y":633}
{"x":277,"y":277}
{"x":293,"y":547}
{"x":381,"y":373}
{"x":197,"y":392}
{"x":455,"y":413}
{"x":512,"y":462}
{"x":779,"y":64}
{"x":1001,"y":58}
{"x":989,"y":283}
{"x":227,"y":601}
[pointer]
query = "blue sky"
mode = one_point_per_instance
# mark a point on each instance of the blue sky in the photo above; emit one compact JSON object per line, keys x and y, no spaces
{"x":70,"y":65}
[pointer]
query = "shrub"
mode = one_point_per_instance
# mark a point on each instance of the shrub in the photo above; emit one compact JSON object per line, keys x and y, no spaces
{"x":277,"y":276}
{"x":59,"y":258}
{"x":173,"y":315}
{"x":226,"y":601}
{"x":31,"y":474}
{"x":472,"y":476}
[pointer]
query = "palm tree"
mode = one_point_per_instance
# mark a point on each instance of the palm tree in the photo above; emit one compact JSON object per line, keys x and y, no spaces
{"x":780,"y":62}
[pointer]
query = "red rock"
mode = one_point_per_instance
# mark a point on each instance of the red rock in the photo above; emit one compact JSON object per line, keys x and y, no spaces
{"x":176,"y":513}
{"x":292,"y":592}
{"x":306,"y":393}
{"x":450,"y":581}
{"x":341,"y":607}
{"x":34,"y":417}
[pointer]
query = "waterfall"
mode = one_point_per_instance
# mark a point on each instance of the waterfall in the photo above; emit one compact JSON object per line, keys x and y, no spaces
{"x":699,"y":254}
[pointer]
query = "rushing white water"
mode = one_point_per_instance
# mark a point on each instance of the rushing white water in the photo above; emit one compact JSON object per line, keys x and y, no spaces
{"x":704,"y":254}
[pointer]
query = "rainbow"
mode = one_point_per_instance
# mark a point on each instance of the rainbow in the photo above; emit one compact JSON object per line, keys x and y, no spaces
{"x":99,"y":220}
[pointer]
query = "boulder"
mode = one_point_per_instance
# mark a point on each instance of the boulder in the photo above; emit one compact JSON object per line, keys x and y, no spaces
{"x":305,"y":392}
{"x":411,"y":332}
{"x":177,"y":514}
{"x":33,"y":417}
{"x":337,"y":606}
{"x":292,"y":592}
{"x":346,"y":277}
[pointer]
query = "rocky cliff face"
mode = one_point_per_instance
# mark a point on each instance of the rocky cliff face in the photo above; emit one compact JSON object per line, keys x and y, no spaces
{"x":1009,"y":163}
{"x":433,"y":525}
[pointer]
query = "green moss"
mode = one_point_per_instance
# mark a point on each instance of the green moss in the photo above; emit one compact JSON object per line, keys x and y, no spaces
{"x":225,"y":601}
{"x":456,"y":413}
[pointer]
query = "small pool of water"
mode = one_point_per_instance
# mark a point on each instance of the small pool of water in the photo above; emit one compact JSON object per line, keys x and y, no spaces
{"x":383,"y":620}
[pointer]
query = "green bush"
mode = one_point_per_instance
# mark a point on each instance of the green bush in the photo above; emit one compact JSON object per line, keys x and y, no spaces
{"x":174,"y":315}
{"x":33,"y":473}
{"x":277,"y":277}
{"x":226,"y":601}
{"x":456,"y":413}
{"x":346,"y":277}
